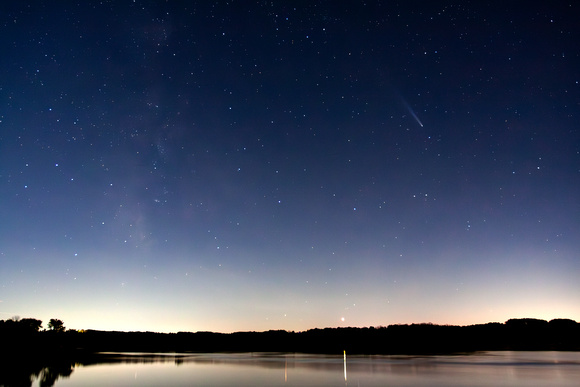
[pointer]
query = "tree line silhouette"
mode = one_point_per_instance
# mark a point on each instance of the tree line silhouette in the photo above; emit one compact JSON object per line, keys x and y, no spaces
{"x":30,"y":352}
{"x":515,"y":334}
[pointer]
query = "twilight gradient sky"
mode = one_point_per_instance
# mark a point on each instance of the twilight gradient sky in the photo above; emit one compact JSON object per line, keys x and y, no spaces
{"x":253,"y":165}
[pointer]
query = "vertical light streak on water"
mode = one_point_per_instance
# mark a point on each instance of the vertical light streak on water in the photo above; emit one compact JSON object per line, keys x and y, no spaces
{"x":345,"y":365}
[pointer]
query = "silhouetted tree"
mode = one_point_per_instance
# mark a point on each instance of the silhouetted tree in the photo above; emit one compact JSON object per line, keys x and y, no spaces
{"x":31,"y":324}
{"x":56,"y":325}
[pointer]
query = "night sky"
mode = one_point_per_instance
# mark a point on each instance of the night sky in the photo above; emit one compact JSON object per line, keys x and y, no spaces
{"x":254,"y":165}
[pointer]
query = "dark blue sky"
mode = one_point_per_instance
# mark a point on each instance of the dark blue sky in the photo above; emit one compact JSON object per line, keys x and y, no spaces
{"x":248,"y":165}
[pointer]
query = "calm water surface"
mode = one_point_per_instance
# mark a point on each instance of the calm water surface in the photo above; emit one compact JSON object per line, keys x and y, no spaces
{"x":481,"y":369}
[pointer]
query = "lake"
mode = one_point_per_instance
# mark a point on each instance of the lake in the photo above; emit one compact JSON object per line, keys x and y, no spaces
{"x":271,"y":369}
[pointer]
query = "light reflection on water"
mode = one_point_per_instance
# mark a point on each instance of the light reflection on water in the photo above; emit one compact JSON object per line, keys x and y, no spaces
{"x":259,"y":369}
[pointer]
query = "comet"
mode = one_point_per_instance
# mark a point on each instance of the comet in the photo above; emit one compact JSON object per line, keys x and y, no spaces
{"x":412,"y":112}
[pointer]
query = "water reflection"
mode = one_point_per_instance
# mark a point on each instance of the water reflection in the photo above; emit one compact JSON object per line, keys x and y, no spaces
{"x":279,"y":369}
{"x":345,"y":379}
{"x":25,"y":374}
